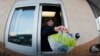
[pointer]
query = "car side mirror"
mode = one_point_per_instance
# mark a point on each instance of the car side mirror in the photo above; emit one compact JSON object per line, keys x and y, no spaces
{"x":95,"y":48}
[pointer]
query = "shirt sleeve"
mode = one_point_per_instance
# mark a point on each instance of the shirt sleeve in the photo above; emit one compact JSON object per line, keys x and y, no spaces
{"x":48,"y":31}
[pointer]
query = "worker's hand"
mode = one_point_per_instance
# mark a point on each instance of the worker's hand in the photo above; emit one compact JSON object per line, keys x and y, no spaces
{"x":66,"y":30}
{"x":59,"y":28}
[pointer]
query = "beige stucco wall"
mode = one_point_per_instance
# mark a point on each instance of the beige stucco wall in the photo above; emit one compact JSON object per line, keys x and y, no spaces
{"x":81,"y":19}
{"x":5,"y":7}
{"x":79,"y":15}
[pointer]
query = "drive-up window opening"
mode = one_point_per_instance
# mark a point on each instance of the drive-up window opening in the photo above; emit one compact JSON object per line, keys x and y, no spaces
{"x":57,"y":18}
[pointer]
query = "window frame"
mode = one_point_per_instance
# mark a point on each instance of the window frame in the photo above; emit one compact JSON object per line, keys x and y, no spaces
{"x":37,"y":4}
{"x":39,"y":24}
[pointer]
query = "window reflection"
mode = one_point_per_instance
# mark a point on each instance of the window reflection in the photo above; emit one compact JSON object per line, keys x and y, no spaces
{"x":98,"y":22}
{"x":20,"y":31}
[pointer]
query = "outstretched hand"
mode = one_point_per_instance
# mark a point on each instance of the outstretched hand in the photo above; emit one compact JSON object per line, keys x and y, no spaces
{"x":60,"y":29}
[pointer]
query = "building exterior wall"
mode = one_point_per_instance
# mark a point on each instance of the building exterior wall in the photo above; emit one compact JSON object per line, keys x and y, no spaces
{"x":5,"y":7}
{"x":81,"y":19}
{"x":79,"y":14}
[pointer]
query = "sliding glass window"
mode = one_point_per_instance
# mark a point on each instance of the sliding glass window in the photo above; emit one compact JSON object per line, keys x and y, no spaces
{"x":20,"y":31}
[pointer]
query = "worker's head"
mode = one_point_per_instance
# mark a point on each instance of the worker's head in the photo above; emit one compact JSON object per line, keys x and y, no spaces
{"x":50,"y":22}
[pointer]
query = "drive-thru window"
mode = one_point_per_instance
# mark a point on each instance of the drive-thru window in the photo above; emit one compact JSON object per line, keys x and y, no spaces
{"x":23,"y":31}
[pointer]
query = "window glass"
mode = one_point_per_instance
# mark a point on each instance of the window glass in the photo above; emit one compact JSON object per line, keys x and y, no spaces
{"x":98,"y":22}
{"x":21,"y":26}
